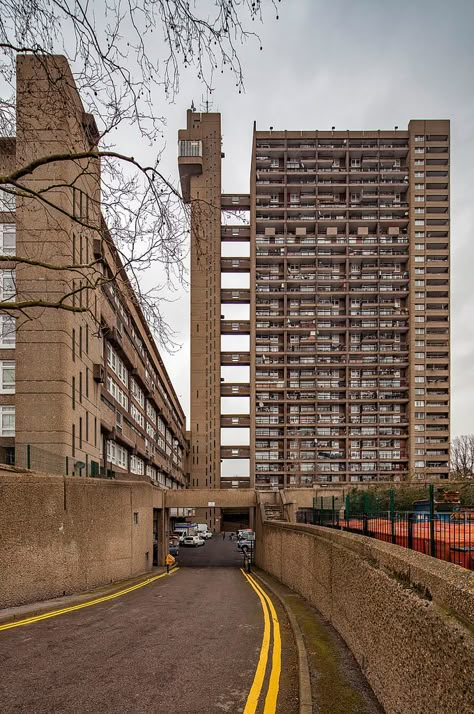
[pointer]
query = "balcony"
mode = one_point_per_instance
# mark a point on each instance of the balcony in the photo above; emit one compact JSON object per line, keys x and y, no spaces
{"x":235,"y":265}
{"x":238,"y":296}
{"x":235,"y":390}
{"x":235,"y":452}
{"x":235,"y":202}
{"x":230,"y":327}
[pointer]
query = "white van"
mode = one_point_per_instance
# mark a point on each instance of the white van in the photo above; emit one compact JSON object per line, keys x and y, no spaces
{"x":203,"y":530}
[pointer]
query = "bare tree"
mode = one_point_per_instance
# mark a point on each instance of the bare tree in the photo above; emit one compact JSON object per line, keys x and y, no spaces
{"x":462,"y":457}
{"x":124,"y":57}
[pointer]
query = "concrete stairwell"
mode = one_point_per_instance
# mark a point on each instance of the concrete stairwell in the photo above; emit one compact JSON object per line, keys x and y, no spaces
{"x":274,"y":512}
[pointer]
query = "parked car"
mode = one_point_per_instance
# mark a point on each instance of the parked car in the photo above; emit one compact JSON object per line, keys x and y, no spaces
{"x":180,"y":535}
{"x":193,"y":540}
{"x":206,"y":535}
{"x":246,"y":544}
{"x":173,"y":548}
{"x":245,"y":533}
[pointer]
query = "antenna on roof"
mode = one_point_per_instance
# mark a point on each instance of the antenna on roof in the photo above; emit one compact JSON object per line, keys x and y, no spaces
{"x":193,"y":108}
{"x":206,"y":104}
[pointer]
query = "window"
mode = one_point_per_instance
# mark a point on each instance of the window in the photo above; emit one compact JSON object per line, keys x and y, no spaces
{"x":419,"y":283}
{"x":7,"y":331}
{"x":7,"y":385}
{"x":190,"y":148}
{"x":7,"y":421}
{"x":419,"y":403}
{"x":137,"y":465}
{"x":7,"y":285}
{"x":135,"y":518}
{"x":419,"y":259}
{"x":7,"y":239}
{"x":419,"y":186}
{"x":419,"y":464}
{"x":419,"y":150}
{"x":419,"y":210}
{"x":117,"y":455}
{"x":419,"y":199}
{"x":117,"y":365}
{"x":419,"y":380}
{"x":419,"y":234}
{"x":419,"y":246}
{"x":419,"y":137}
{"x":419,"y":174}
{"x":151,"y":412}
{"x":117,"y":392}
{"x":137,"y":393}
{"x":419,"y":162}
{"x":419,"y":222}
{"x":7,"y":200}
{"x":137,"y":415}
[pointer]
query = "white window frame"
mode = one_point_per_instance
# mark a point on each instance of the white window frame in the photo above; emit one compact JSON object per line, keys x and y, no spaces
{"x":7,"y":294}
{"x":7,"y":365}
{"x":7,"y":331}
{"x":7,"y":410}
{"x":5,"y":230}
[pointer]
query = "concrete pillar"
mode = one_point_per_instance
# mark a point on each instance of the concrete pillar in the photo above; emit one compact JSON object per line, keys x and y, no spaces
{"x":163,"y":534}
{"x":252,"y":518}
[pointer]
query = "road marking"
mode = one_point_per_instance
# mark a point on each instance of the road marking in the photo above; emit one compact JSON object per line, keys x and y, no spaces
{"x":89,"y":603}
{"x":274,"y":680}
{"x":256,"y":688}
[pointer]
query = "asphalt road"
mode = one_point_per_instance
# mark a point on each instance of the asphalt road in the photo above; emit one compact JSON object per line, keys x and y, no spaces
{"x":186,"y":644}
{"x":215,"y":553}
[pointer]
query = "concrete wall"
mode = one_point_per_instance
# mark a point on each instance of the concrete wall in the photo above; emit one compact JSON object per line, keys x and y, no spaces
{"x":408,"y":619}
{"x":64,"y":535}
{"x":201,"y":497}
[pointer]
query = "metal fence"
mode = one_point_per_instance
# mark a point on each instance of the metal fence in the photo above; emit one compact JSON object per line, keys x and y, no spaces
{"x":34,"y":458}
{"x":441,"y":530}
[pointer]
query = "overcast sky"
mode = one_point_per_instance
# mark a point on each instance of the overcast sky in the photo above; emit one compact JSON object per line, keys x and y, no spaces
{"x":353,"y":64}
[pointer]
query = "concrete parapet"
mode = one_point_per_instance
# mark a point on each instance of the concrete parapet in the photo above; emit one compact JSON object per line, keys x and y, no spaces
{"x":408,"y":618}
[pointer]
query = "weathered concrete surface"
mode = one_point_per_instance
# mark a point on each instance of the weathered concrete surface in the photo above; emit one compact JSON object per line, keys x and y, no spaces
{"x":201,"y":497}
{"x":407,"y":618}
{"x":60,"y":535}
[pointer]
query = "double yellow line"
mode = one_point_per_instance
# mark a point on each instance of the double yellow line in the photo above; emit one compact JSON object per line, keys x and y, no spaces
{"x":82,"y":605}
{"x":274,"y":677}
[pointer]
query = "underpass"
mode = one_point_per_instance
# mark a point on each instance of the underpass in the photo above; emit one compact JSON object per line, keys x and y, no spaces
{"x":216,"y":553}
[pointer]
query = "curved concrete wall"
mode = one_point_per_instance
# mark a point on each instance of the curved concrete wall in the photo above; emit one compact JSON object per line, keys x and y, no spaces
{"x":408,"y":618}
